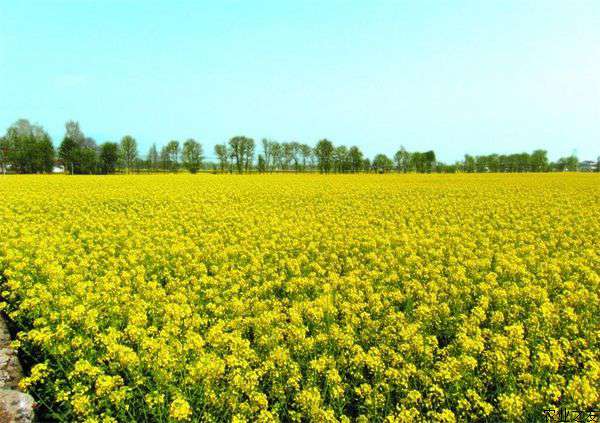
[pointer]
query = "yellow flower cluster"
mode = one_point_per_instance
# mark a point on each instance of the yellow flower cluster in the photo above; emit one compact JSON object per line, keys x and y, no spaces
{"x":304,"y":297}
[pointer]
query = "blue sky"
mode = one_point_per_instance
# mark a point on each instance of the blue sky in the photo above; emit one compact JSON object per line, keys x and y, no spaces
{"x":453,"y":76}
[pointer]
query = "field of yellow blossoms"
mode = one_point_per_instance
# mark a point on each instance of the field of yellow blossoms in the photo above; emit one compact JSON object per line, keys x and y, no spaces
{"x":304,"y":298}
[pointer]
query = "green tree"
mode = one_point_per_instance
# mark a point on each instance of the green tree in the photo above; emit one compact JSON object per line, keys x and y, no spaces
{"x":73,"y":131}
{"x":512,"y":163}
{"x":481,"y":164}
{"x":276,"y":156}
{"x":523,"y":162}
{"x":402,"y":160}
{"x":324,"y":153}
{"x":192,"y":155}
{"x":248,"y":153}
{"x":242,"y":152}
{"x":355,"y":158}
{"x":109,"y":156}
{"x":469,"y":163}
{"x":164,"y":159}
{"x":153,"y":157}
{"x":539,"y":161}
{"x":429,"y":161}
{"x":44,"y":153}
{"x":287,"y":155}
{"x":128,"y":152}
{"x":262,"y":164}
{"x":493,"y":162}
{"x":27,"y":148}
{"x":68,"y":153}
{"x":341,"y":159}
{"x":87,"y":160}
{"x":295,"y":147}
{"x":267,"y":146}
{"x":570,"y":164}
{"x":382,"y":163}
{"x":71,"y":152}
{"x":173,"y":150}
{"x":236,"y":149}
{"x":306,"y":154}
{"x":417,"y":162}
{"x":222,"y":156}
{"x":366,"y":165}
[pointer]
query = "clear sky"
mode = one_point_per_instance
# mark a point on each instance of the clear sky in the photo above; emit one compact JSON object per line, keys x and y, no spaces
{"x":453,"y":76}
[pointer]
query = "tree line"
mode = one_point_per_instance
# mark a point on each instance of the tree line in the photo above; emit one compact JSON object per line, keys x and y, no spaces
{"x":27,"y":148}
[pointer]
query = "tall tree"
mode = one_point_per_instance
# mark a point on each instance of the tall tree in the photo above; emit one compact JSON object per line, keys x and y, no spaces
{"x":539,"y":161}
{"x":267,"y":146}
{"x":341,"y":159}
{"x":242,"y":152}
{"x":469,"y":163}
{"x":88,"y":160}
{"x":262,"y":164}
{"x":153,"y":158}
{"x":524,"y":162}
{"x":493,"y":162}
{"x":192,"y":155}
{"x":236,"y":149}
{"x":295,"y":150}
{"x":429,"y":161}
{"x":68,"y":153}
{"x":306,"y":154}
{"x":165,"y":159}
{"x":402,"y":160}
{"x":356,"y":158}
{"x":109,"y":156}
{"x":222,"y":156}
{"x":73,"y":131}
{"x":71,"y":151}
{"x":287,"y":153}
{"x":324,"y":154}
{"x":248,"y":150}
{"x":382,"y":163}
{"x":44,"y":153}
{"x":277,"y":156}
{"x":173,"y":151}
{"x":417,"y":162}
{"x":366,"y":165}
{"x":570,"y":164}
{"x":27,"y":148}
{"x":128,"y":152}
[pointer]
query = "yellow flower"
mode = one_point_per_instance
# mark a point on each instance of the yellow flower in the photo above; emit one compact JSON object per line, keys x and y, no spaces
{"x":81,"y":404}
{"x":180,"y":410}
{"x":304,"y":297}
{"x":511,"y":405}
{"x":106,"y":384}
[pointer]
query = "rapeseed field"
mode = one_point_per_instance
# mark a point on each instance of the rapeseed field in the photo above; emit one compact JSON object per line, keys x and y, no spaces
{"x":313,"y":298}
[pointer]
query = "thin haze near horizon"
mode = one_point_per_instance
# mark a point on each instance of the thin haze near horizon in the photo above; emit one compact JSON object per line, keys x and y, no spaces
{"x":456,"y":77}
